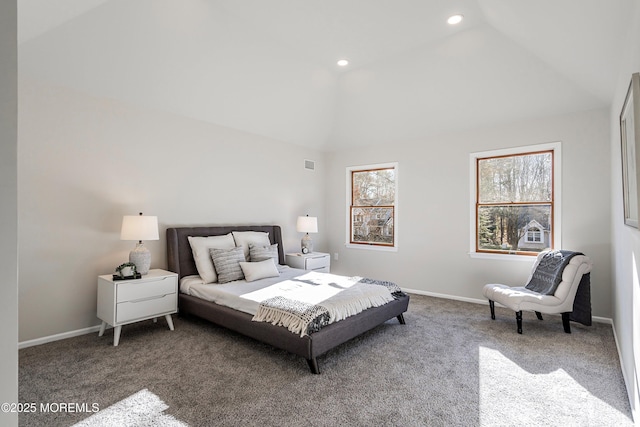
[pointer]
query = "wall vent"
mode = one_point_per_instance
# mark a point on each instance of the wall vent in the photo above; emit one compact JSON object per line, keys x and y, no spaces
{"x":310,"y":165}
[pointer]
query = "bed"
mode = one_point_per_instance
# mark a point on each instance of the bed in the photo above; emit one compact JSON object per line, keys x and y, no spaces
{"x":180,"y":260}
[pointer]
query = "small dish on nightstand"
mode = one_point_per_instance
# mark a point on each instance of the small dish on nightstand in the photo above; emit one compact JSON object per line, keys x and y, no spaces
{"x":119,"y":277}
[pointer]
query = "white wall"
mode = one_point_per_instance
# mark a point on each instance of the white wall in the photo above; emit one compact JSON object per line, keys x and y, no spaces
{"x":84,"y":161}
{"x":8,"y":208}
{"x":433,"y":240}
{"x":626,"y":240}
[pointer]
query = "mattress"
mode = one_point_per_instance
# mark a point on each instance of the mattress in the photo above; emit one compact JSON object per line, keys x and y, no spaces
{"x":236,"y":294}
{"x":312,"y":287}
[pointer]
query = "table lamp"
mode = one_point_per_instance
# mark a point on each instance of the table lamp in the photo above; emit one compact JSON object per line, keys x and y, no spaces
{"x":307,"y":224}
{"x":139,"y":227}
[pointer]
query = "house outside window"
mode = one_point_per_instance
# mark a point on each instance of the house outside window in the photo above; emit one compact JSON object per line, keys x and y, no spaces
{"x":372,"y":206}
{"x":515,"y":201}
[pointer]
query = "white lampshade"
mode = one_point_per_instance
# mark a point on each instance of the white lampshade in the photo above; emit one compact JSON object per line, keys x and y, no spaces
{"x":307,"y":224}
{"x":139,"y":227}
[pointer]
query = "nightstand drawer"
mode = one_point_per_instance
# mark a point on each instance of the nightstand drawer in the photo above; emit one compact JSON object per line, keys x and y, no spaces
{"x":159,"y":305}
{"x":317,"y":263}
{"x":138,"y":290}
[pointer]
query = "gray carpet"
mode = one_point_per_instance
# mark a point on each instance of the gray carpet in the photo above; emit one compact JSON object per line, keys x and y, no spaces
{"x":450,"y":365}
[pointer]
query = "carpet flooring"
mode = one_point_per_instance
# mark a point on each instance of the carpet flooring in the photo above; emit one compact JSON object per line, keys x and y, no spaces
{"x":450,"y":365}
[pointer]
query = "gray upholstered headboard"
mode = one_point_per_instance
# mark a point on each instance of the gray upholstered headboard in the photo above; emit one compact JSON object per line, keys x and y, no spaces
{"x":179,"y":255}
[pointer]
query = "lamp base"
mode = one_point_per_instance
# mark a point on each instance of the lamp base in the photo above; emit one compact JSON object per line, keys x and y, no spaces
{"x":306,"y":245}
{"x":141,"y":257}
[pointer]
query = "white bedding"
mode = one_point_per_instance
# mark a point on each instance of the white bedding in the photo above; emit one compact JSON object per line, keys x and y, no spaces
{"x":292,"y":284}
{"x":233,"y":294}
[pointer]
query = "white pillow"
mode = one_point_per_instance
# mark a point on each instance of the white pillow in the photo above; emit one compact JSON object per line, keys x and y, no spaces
{"x":200,"y":248}
{"x":259,"y":270}
{"x":244,"y":238}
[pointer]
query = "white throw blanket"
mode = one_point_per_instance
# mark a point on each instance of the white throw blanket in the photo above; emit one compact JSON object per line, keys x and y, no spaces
{"x":310,"y":294}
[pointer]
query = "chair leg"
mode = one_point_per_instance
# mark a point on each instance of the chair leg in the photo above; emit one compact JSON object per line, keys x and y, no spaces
{"x":493,"y":309}
{"x":539,"y":315}
{"x":519,"y":321}
{"x":565,"y":322}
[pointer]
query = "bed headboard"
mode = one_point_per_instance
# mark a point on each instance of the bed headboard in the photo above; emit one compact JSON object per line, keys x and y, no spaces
{"x":179,"y":255}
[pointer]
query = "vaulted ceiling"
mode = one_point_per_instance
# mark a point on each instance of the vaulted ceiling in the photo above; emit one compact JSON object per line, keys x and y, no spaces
{"x":269,"y":67}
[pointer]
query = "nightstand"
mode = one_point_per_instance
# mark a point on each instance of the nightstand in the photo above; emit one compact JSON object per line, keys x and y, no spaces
{"x":316,"y":261}
{"x":127,"y":301}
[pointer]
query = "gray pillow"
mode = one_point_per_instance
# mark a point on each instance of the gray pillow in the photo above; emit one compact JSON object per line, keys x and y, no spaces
{"x":227,"y":263}
{"x":262,"y":252}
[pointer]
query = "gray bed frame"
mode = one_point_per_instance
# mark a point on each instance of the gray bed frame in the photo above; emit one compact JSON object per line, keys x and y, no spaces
{"x":180,"y":260}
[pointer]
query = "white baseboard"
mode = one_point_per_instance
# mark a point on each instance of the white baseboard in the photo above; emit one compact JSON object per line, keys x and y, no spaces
{"x":483,"y":302}
{"x":57,"y":337}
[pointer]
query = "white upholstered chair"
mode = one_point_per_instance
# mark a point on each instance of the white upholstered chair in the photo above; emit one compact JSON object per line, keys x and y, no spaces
{"x":560,"y":302}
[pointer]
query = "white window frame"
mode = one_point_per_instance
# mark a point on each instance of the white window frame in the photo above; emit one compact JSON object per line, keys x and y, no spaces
{"x":557,"y":195}
{"x":534,"y":236}
{"x":382,"y":248}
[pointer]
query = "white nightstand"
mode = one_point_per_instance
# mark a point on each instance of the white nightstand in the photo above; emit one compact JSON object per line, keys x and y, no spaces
{"x":127,"y":301}
{"x":316,"y":261}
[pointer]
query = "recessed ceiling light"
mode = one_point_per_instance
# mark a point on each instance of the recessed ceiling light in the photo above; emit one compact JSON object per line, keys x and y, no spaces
{"x":455,"y":19}
{"x":343,"y":63}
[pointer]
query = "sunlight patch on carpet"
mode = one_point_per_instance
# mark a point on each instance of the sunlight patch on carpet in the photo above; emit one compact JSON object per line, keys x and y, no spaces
{"x":140,"y":409}
{"x":541,"y":398}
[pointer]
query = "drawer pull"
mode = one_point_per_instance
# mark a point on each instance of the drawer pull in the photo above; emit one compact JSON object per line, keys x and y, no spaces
{"x":148,"y":299}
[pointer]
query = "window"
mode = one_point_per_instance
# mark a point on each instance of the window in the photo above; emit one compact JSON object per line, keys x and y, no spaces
{"x":515,"y":202}
{"x":534,"y":235}
{"x":372,"y":207}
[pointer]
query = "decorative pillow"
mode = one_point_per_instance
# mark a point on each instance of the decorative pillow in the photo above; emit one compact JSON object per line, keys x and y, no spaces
{"x":200,"y":248}
{"x":260,"y":253}
{"x":244,"y":238}
{"x":227,"y":264}
{"x":259,"y":270}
